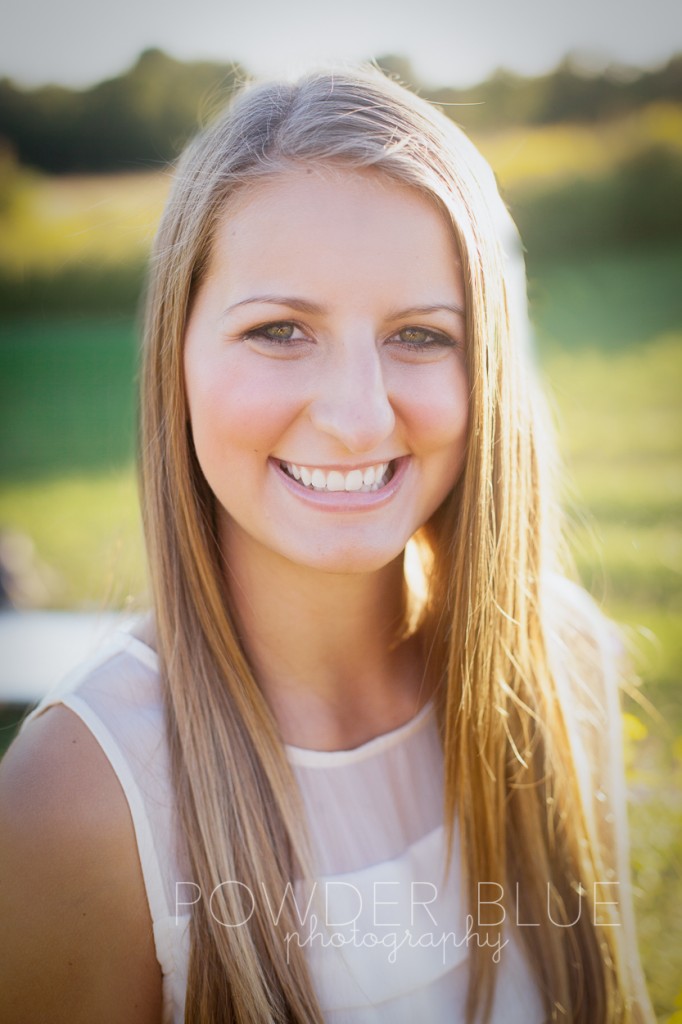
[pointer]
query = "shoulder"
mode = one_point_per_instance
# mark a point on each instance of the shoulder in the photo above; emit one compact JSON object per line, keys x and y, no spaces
{"x":587,"y":656}
{"x":576,"y":617}
{"x":587,"y":652}
{"x":119,"y":687}
{"x":77,"y":940}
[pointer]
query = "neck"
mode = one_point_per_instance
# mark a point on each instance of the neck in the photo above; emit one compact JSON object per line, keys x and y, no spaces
{"x":326,"y":648}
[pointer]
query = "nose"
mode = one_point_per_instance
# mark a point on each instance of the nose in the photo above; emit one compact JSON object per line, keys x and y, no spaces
{"x":352,"y":404}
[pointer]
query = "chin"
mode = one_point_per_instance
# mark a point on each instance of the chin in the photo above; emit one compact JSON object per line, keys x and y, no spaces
{"x":345,"y":561}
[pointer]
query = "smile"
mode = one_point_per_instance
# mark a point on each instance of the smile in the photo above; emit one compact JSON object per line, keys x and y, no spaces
{"x":369,"y":478}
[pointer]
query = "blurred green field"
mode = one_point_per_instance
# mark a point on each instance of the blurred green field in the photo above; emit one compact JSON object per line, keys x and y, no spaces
{"x":610,"y":349}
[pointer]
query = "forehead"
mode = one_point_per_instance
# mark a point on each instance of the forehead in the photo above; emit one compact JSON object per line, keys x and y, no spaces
{"x":320,"y":219}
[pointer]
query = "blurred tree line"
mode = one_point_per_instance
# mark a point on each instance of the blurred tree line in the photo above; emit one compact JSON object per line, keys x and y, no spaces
{"x":568,"y":94}
{"x":639,"y":203}
{"x":139,"y":119}
{"x":587,"y":163}
{"x":143,"y":117}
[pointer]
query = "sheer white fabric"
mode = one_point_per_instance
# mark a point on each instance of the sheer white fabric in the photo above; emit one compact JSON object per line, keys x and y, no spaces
{"x":386,"y":935}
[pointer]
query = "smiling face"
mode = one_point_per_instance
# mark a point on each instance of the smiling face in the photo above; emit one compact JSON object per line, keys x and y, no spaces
{"x":324,"y":368}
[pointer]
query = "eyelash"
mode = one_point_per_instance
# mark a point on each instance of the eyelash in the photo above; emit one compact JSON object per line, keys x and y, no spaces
{"x":438,"y":338}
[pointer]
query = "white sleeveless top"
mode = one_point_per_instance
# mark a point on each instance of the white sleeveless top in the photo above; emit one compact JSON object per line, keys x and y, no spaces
{"x":387,"y":940}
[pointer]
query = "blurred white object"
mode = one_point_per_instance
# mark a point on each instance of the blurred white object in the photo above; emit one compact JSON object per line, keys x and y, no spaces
{"x":37,"y":649}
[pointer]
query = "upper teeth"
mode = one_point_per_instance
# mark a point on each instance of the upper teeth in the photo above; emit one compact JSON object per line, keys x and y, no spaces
{"x":369,"y":479}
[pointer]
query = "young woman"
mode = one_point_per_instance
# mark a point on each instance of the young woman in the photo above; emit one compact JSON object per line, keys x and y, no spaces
{"x":363,"y":763}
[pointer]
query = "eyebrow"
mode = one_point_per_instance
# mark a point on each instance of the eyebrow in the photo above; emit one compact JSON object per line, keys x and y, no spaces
{"x":305,"y":306}
{"x":278,"y":300}
{"x":431,"y":307}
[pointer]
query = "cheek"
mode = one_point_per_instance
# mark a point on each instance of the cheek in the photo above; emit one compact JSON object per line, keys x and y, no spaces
{"x":234,"y":411}
{"x":437,"y":409}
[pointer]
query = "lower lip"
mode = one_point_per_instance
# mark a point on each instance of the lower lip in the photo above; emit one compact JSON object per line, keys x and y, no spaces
{"x":345,"y":501}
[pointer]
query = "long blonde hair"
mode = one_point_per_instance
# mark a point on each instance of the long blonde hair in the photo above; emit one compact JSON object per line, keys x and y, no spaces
{"x":510,"y":775}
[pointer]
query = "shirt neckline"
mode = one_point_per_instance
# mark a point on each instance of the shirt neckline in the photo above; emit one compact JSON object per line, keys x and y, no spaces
{"x":336,"y":758}
{"x":306,"y":756}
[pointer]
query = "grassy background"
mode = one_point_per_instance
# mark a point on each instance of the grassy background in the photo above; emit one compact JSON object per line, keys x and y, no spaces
{"x":609,"y":343}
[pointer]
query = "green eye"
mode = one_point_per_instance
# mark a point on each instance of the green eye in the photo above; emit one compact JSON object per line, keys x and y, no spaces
{"x":420,"y":338}
{"x":415,"y":336}
{"x":278,"y":332}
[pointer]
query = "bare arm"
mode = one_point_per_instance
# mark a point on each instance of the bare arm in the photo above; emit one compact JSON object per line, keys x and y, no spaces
{"x":76,"y":943}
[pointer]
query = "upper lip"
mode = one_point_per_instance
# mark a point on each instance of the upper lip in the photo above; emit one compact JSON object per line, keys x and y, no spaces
{"x":341,"y":468}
